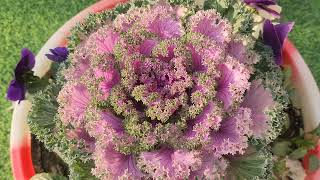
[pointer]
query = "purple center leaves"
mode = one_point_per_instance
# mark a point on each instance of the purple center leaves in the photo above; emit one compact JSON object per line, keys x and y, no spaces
{"x":165,"y":28}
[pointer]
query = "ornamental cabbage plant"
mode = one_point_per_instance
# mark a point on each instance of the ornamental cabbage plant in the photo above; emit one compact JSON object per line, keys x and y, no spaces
{"x":176,"y":89}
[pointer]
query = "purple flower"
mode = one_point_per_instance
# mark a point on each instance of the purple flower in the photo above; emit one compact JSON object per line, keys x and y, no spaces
{"x":264,"y":5}
{"x":262,"y":2}
{"x":17,"y":89}
{"x":58,"y":54}
{"x":169,"y":55}
{"x":274,"y":36}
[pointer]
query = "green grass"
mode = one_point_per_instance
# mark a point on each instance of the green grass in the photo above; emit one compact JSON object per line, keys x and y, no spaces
{"x":25,"y":24}
{"x":30,"y":23}
{"x":306,"y":32}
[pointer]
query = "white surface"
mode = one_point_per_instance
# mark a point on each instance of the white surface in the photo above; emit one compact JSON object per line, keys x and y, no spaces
{"x":308,"y":94}
{"x":19,"y":127}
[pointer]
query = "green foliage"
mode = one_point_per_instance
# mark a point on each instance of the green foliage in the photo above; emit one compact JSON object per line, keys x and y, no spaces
{"x":316,"y":131}
{"x":80,"y":170}
{"x":253,"y":165}
{"x":293,"y":145}
{"x":34,"y":83}
{"x":279,"y":167}
{"x":221,"y":6}
{"x":44,"y":108}
{"x":48,"y":176}
{"x":281,"y":148}
{"x":314,"y":163}
{"x":179,"y":2}
{"x":45,"y":124}
{"x":235,"y":11}
{"x":298,"y":153}
{"x":273,"y":79}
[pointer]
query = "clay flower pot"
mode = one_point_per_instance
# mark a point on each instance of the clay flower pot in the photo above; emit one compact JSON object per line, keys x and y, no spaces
{"x":20,"y":140}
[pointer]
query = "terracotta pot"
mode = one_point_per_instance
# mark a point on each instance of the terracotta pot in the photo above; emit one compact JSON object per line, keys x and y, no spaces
{"x":20,"y":139}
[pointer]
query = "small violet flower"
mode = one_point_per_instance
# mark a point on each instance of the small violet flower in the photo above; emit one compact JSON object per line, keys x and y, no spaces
{"x":274,"y":36}
{"x":58,"y":54}
{"x":267,"y":8}
{"x":17,"y":89}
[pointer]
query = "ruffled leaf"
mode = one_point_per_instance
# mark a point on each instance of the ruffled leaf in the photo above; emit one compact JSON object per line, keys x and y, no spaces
{"x":166,"y":28}
{"x":252,"y":165}
{"x":259,"y":100}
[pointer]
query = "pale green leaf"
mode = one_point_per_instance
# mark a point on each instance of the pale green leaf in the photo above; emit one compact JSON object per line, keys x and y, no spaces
{"x":48,"y":176}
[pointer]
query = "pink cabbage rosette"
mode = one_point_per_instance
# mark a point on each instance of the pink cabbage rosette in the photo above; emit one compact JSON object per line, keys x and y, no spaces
{"x":162,"y":94}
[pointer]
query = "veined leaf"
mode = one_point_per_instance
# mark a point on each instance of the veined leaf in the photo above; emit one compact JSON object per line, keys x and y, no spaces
{"x":298,"y":153}
{"x":314,"y":163}
{"x":251,"y":166}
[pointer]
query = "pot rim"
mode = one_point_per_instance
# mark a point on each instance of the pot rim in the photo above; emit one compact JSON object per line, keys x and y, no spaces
{"x":20,"y":139}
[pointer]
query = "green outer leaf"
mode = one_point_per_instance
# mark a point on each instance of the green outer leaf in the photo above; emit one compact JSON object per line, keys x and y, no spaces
{"x":251,"y":166}
{"x":298,"y":153}
{"x":282,"y":148}
{"x":316,"y":131}
{"x":48,"y":176}
{"x":279,"y":167}
{"x":81,"y":170}
{"x":43,"y":121}
{"x":314,"y":163}
{"x":303,"y":143}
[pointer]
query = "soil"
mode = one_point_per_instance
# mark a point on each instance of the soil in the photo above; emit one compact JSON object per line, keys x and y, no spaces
{"x":46,"y":161}
{"x":296,"y":122}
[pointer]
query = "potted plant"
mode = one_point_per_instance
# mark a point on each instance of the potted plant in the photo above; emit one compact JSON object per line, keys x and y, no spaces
{"x":168,"y":89}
